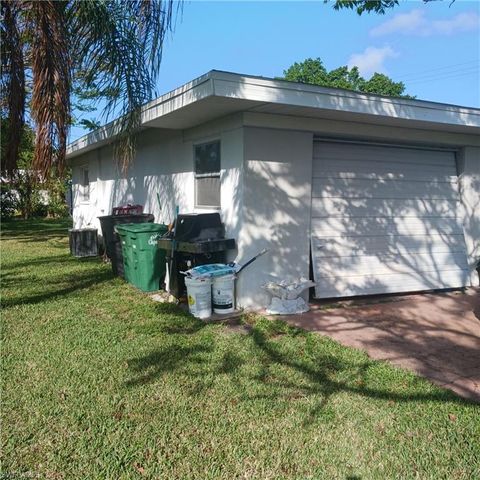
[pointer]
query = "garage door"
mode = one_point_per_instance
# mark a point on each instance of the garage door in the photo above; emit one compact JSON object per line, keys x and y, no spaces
{"x":384,"y":220}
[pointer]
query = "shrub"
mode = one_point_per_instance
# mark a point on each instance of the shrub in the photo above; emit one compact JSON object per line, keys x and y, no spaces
{"x":9,"y":202}
{"x":56,"y":190}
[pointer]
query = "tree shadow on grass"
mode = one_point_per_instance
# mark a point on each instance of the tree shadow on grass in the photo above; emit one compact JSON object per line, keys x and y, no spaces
{"x":171,"y":320}
{"x":174,"y":358}
{"x":60,"y":260}
{"x":35,"y":230}
{"x":321,"y":378}
{"x":50,"y":291}
{"x":322,"y":382}
{"x":40,"y":279}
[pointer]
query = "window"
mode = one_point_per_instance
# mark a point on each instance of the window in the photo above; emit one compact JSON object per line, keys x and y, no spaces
{"x":207,"y":175}
{"x":84,"y":185}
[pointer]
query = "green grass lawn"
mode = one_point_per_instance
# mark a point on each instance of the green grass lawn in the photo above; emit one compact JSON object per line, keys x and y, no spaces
{"x":100,"y":382}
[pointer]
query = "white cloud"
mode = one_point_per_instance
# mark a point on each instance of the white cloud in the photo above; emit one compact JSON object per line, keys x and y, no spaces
{"x":463,"y":22}
{"x":415,"y":23}
{"x":402,"y":23}
{"x":371,"y":60}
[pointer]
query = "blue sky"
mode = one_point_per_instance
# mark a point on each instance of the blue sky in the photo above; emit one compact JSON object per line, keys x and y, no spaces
{"x":434,"y":48}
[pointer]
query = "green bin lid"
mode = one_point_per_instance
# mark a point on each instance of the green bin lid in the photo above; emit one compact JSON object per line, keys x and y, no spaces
{"x":142,"y":227}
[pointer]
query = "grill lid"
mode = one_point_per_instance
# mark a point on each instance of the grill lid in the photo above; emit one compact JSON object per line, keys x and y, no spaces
{"x":197,"y":227}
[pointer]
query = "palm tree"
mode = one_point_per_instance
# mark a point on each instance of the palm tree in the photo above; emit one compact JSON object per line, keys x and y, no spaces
{"x":109,"y":50}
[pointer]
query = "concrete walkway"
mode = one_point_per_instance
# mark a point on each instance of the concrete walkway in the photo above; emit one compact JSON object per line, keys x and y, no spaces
{"x":435,"y":335}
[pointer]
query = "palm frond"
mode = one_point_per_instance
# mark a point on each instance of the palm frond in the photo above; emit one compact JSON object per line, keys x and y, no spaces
{"x":152,"y":31}
{"x":51,"y":84}
{"x":110,"y":48}
{"x":120,"y":47}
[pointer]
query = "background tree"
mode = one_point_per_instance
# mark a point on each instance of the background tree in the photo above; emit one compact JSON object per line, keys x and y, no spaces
{"x":370,"y":6}
{"x":106,"y":48}
{"x":314,"y":72}
{"x":19,"y":189}
{"x":24,"y":191}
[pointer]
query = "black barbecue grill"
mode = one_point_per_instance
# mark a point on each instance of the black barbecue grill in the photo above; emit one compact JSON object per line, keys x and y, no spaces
{"x":196,"y":239}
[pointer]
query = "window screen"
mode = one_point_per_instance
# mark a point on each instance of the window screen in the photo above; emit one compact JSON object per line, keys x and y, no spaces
{"x":207,"y":175}
{"x":85,"y":185}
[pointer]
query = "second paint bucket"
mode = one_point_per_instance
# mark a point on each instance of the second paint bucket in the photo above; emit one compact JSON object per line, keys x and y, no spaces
{"x":199,"y":293}
{"x":223,"y":294}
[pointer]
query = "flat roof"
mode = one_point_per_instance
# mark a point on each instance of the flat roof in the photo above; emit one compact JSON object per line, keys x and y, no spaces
{"x":219,"y":93}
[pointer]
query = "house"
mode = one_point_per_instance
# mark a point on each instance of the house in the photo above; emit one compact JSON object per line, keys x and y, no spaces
{"x":368,"y":193}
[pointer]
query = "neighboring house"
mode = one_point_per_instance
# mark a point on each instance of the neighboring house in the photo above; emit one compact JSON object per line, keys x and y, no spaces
{"x":371,"y":194}
{"x":43,"y":194}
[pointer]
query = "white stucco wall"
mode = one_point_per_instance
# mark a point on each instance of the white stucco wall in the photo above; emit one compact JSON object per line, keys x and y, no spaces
{"x":161,"y":165}
{"x":363,"y":130}
{"x":469,"y":179}
{"x":276,"y":210}
{"x":163,"y":168}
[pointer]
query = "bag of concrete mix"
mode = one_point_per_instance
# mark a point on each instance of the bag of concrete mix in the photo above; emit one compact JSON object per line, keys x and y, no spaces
{"x":286,"y":298}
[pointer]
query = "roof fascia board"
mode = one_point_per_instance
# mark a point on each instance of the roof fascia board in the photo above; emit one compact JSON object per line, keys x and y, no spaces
{"x":187,"y":94}
{"x":303,"y":95}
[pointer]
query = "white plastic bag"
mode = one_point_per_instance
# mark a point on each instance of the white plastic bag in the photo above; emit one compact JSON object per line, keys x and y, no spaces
{"x":286,"y":298}
{"x":280,"y":306}
{"x":288,"y":290}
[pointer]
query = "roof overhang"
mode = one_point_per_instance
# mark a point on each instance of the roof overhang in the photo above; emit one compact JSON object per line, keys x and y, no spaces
{"x":217,"y":94}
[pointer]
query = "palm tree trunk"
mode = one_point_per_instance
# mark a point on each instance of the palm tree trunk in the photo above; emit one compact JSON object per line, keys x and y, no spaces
{"x":13,"y":82}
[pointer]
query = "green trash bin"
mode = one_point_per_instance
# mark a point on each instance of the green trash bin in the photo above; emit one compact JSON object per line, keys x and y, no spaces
{"x":143,"y":262}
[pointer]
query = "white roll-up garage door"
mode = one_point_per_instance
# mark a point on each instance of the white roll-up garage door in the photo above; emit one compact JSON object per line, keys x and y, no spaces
{"x":384,"y":220}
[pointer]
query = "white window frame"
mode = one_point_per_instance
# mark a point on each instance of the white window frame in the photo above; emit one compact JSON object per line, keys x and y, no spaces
{"x":207,"y":175}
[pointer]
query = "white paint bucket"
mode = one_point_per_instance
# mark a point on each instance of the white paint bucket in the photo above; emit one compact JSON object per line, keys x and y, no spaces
{"x":223,"y":297}
{"x":199,"y":294}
